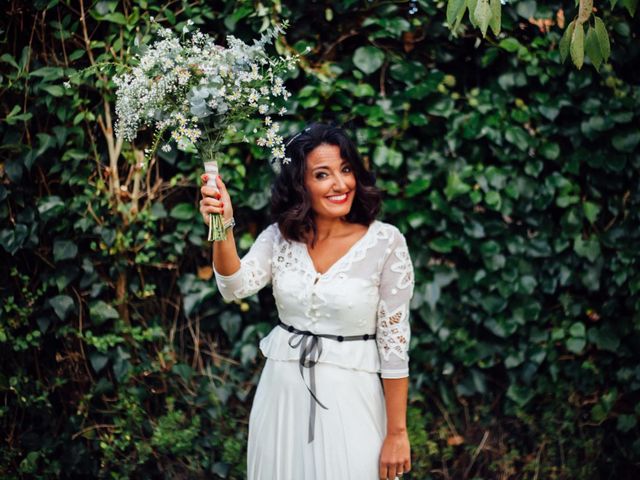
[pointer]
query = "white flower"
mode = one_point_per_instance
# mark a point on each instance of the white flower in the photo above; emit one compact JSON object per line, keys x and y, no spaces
{"x":253,"y":97}
{"x":187,"y":84}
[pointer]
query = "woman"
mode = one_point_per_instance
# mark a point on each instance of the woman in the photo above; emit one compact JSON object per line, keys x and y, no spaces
{"x":342,"y":282}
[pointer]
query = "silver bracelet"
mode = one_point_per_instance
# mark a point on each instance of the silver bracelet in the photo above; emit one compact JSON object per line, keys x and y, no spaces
{"x":229,"y":224}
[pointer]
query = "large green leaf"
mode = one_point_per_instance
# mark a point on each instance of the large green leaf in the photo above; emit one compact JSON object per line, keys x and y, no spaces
{"x":62,"y":305}
{"x":368,"y":59}
{"x":101,"y":311}
{"x":64,"y":250}
{"x":577,"y":45}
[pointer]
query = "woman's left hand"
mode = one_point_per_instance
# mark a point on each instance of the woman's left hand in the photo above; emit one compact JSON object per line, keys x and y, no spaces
{"x":395,"y":456}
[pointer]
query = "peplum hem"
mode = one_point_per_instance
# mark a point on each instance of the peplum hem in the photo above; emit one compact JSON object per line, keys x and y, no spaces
{"x":358,"y":355}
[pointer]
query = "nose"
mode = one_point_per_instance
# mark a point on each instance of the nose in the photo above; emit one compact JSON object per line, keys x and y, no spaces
{"x":339,"y":185}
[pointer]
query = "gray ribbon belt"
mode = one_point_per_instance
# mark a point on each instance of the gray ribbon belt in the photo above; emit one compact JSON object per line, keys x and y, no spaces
{"x":310,"y":345}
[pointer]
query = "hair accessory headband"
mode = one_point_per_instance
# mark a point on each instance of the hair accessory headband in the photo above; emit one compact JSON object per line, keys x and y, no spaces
{"x":304,"y":130}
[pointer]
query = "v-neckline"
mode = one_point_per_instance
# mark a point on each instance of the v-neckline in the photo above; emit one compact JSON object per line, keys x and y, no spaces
{"x":339,"y":260}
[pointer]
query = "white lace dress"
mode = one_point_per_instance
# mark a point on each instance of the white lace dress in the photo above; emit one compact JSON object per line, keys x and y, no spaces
{"x":319,"y":410}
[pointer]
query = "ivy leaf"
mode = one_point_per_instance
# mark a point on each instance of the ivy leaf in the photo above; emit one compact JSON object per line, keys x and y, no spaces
{"x":455,"y":187}
{"x":98,"y":361}
{"x":604,"y":338}
{"x":62,"y":305}
{"x":577,"y":46}
{"x":626,"y":141}
{"x":577,"y":330}
{"x":101,"y":311}
{"x":576,"y":345}
{"x":64,"y":250}
{"x":368,"y":59}
{"x":510,"y":44}
{"x":591,"y":211}
{"x":587,"y":248}
{"x":626,"y":423}
{"x":230,"y":323}
{"x":185,"y":371}
{"x":183,"y":211}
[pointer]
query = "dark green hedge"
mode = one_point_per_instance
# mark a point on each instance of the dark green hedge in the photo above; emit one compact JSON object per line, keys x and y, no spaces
{"x":514,"y":177}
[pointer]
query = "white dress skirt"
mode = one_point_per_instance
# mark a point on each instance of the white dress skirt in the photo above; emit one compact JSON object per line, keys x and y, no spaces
{"x":348,"y":435}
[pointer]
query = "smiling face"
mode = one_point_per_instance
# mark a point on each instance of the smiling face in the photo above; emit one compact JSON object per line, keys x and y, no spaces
{"x":330,"y":181}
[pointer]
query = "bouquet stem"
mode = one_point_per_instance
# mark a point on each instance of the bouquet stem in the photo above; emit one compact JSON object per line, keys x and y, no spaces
{"x":216,"y":224}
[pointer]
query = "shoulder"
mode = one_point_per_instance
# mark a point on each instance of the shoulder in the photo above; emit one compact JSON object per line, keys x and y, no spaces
{"x":389,"y":232}
{"x":270,"y":234}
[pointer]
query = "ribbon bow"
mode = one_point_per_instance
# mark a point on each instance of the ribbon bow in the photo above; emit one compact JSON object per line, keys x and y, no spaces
{"x":310,"y":346}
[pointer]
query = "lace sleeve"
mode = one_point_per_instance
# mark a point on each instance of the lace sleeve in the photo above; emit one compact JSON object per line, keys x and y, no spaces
{"x":255,"y":268}
{"x":396,"y":289}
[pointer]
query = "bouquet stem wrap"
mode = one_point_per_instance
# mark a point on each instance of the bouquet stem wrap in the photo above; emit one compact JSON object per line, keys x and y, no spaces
{"x":216,"y":223}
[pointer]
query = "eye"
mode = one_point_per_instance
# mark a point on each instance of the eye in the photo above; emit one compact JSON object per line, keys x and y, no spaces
{"x":321,"y":175}
{"x":347,"y":168}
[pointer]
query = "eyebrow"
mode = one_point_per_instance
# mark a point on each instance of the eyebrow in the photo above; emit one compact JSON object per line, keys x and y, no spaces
{"x":324,"y":166}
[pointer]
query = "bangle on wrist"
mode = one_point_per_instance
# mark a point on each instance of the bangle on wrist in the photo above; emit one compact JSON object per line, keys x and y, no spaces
{"x":229,"y":224}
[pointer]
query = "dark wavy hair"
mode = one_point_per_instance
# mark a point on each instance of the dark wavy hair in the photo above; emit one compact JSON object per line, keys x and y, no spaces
{"x":290,"y":201}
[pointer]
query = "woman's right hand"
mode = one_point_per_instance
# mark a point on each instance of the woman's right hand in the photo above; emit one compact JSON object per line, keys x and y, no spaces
{"x":215,"y":200}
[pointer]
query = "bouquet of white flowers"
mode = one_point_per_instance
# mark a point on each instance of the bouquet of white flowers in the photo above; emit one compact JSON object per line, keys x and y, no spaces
{"x":197,"y":90}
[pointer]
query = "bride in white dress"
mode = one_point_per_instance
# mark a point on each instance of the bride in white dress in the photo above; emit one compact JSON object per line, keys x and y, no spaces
{"x":342,"y":282}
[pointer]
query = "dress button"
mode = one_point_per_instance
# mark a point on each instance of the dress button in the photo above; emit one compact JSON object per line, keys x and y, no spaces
{"x":394,"y":291}
{"x":343,"y":275}
{"x":340,"y":338}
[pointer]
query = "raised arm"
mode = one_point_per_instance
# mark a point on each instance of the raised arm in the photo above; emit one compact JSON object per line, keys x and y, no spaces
{"x":236,"y":278}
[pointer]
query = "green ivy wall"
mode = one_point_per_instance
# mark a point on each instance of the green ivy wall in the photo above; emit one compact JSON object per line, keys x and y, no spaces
{"x":514,"y":177}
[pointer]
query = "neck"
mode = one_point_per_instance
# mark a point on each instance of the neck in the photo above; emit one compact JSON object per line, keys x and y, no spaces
{"x":329,"y":226}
